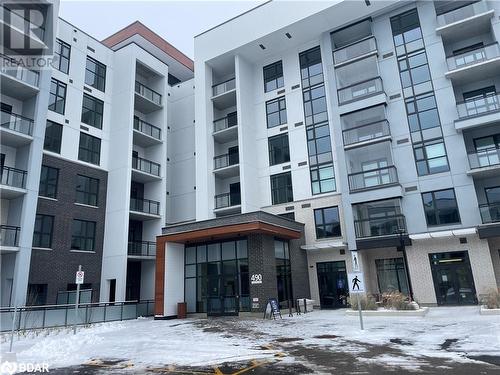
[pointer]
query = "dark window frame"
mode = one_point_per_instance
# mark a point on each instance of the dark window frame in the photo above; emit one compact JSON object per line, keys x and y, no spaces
{"x":99,"y":76}
{"x":278,"y":153}
{"x":53,"y":138}
{"x":41,"y":237}
{"x":91,"y":156}
{"x":95,"y":112}
{"x":84,"y":235}
{"x":321,"y":224}
{"x":432,"y":210}
{"x":278,"y":192}
{"x":281,"y":111}
{"x":273,"y":73}
{"x":46,"y":185}
{"x":61,"y":48}
{"x":88,"y":197}
{"x":57,"y":97}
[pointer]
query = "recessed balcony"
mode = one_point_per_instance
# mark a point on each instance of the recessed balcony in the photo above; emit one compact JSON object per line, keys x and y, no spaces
{"x":372,"y":87}
{"x":16,"y":130}
{"x":474,"y":65}
{"x":142,"y":249}
{"x":463,"y":20}
{"x":224,"y":94}
{"x":490,"y":213}
{"x":357,"y":50}
{"x":146,"y":134}
{"x":226,"y":128}
{"x":227,"y":165}
{"x":484,"y":162}
{"x":144,"y":209}
{"x":227,"y":203}
{"x":366,"y":134}
{"x":12,"y":182}
{"x":9,"y":238}
{"x":144,"y":170}
{"x":373,"y":179}
{"x":478,"y":111}
{"x":17,"y":81}
{"x":380,"y":226}
{"x":146,"y":99}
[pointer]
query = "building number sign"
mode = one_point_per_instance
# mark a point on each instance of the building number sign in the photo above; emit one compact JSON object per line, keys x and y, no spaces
{"x":256,"y":278}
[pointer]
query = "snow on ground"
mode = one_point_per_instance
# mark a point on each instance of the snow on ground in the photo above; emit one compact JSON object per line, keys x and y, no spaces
{"x":146,"y":342}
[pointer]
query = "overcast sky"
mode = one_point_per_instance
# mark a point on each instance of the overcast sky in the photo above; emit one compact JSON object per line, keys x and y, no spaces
{"x":176,"y":21}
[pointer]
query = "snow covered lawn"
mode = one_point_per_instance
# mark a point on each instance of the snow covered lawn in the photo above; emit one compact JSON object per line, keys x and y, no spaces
{"x":454,"y":334}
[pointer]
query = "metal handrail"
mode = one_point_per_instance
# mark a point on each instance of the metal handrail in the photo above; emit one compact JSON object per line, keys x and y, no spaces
{"x":349,"y":140}
{"x":147,"y":206}
{"x":486,"y":52}
{"x":13,"y":69}
{"x":142,"y":248}
{"x":358,"y":180}
{"x":461,"y":13}
{"x":371,"y":48}
{"x":225,"y":123}
{"x":379,"y":226}
{"x":490,"y":212}
{"x":13,"y":177}
{"x":360,"y":94}
{"x":226,"y":160}
{"x":147,"y":93}
{"x":9,"y":235}
{"x":479,"y":105}
{"x":17,"y":123}
{"x":147,"y":128}
{"x":227,"y":200}
{"x":145,"y":165}
{"x":491,"y":155}
{"x":225,"y":86}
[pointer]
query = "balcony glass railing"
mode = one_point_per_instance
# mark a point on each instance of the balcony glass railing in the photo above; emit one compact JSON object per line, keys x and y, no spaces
{"x":223,"y":87}
{"x":12,"y":69}
{"x":379,"y":226}
{"x":145,"y":165}
{"x":479,"y":106}
{"x":373,"y":178}
{"x":142,"y":248}
{"x":366,"y":132}
{"x":227,"y":200}
{"x":19,"y":22}
{"x":146,"y":128}
{"x":146,"y":206}
{"x":226,"y":160}
{"x":226,"y":122}
{"x":360,"y":90}
{"x":462,"y":13}
{"x":484,"y":158}
{"x":476,"y":56}
{"x":490,"y":213}
{"x":354,"y":50}
{"x":9,"y":235}
{"x":13,"y":177}
{"x":147,"y":93}
{"x":17,"y":123}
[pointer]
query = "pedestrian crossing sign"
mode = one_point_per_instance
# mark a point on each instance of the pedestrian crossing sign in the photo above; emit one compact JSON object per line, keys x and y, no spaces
{"x":356,"y":282}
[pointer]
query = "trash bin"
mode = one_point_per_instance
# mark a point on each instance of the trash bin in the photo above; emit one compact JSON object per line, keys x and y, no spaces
{"x":181,"y":310}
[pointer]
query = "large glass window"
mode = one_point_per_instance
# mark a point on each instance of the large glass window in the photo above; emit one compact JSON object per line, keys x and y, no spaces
{"x":327,"y":222}
{"x":431,"y":157}
{"x":276,"y":112}
{"x":83,"y":235}
{"x":281,"y":188}
{"x":87,"y":190}
{"x":57,"y":97}
{"x":273,"y":76}
{"x":391,"y":275}
{"x":283,"y":272}
{"x":62,"y":51}
{"x":53,"y":137}
{"x":95,"y":74}
{"x":48,"y":182}
{"x":441,"y":207}
{"x":92,"y":111}
{"x":89,"y":149}
{"x":42,"y":235}
{"x":279,"y":151}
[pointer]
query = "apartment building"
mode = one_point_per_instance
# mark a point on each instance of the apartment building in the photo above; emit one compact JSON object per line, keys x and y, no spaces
{"x":338,"y":136}
{"x":90,"y":161}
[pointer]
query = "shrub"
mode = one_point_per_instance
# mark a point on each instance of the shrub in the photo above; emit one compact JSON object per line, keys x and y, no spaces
{"x":492,"y":299}
{"x":367,"y":302}
{"x":396,"y":301}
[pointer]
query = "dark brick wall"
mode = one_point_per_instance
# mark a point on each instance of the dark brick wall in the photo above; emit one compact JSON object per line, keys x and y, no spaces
{"x":300,"y":272}
{"x":57,"y":267}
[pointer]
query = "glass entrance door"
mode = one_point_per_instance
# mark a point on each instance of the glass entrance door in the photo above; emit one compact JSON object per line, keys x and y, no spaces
{"x":453,"y":279}
{"x":332,"y":283}
{"x":223,"y":296}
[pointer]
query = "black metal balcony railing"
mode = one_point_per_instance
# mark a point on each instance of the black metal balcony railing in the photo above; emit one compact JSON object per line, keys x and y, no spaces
{"x":9,"y":235}
{"x":490,"y":213}
{"x":379,"y":226}
{"x":227,"y":200}
{"x":13,"y":177}
{"x":145,"y":165}
{"x":147,"y":93}
{"x":484,"y":158}
{"x":360,"y":90}
{"x":17,"y":123}
{"x":11,"y":68}
{"x":142,"y":248}
{"x":146,"y":206}
{"x":354,"y":50}
{"x":226,"y":122}
{"x":147,"y":128}
{"x":18,"y":21}
{"x":221,"y":88}
{"x":366,"y":132}
{"x":479,"y":106}
{"x":373,"y":178}
{"x":226,"y":160}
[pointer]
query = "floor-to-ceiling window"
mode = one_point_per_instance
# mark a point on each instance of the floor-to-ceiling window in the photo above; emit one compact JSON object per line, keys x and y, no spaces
{"x":391,"y":275}
{"x":283,"y":272}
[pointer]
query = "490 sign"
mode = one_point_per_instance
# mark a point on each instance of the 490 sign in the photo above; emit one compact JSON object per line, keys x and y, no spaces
{"x":256,"y":278}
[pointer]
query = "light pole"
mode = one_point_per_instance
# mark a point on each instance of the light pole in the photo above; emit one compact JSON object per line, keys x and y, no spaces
{"x":402,"y":247}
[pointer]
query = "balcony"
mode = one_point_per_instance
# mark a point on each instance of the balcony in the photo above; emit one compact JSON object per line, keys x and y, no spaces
{"x":366,"y":134}
{"x":478,"y":111}
{"x":16,"y":80}
{"x":484,"y":162}
{"x":21,"y":28}
{"x":9,"y":236}
{"x":146,"y":100}
{"x":490,"y":213}
{"x":144,"y":209}
{"x":227,"y":203}
{"x":224,"y":94}
{"x":12,"y":182}
{"x":142,"y":249}
{"x":380,"y":226}
{"x":146,"y":134}
{"x":357,"y":50}
{"x":474,"y":65}
{"x":144,"y":170}
{"x":361,"y":90}
{"x":16,"y":129}
{"x":373,"y":179}
{"x":464,"y":19}
{"x":227,"y":165}
{"x":226,"y":128}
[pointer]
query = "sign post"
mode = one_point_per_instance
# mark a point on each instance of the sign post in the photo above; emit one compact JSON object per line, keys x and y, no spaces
{"x":357,"y":286}
{"x":78,"y":281}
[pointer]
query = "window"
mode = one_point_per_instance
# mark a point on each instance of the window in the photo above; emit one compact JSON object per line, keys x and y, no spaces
{"x":57,"y":98}
{"x":315,"y":105}
{"x":276,"y":112}
{"x":53,"y":137}
{"x":322,"y":179}
{"x":279,"y":151}
{"x":62,"y":52}
{"x":273,"y":76}
{"x":283,"y":271}
{"x":310,"y":67}
{"x":441,"y":207}
{"x":95,"y":74}
{"x":327,"y":222}
{"x":391,"y":275}
{"x":42,"y":235}
{"x":48,"y":182}
{"x":89,"y":149}
{"x":37,"y":294}
{"x":87,"y":190}
{"x":83,"y":235}
{"x":281,"y":188}
{"x":92,"y":110}
{"x":431,"y":157}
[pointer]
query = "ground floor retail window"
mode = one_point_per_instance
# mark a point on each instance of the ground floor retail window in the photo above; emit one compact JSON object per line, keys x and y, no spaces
{"x":283,"y":272}
{"x":391,"y":275}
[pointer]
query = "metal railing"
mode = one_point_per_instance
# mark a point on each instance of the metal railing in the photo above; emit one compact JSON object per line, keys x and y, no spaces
{"x":354,"y":50}
{"x":145,"y":165}
{"x":50,"y":316}
{"x":226,"y":160}
{"x":484,"y":53}
{"x":360,"y":90}
{"x":221,"y":88}
{"x":15,"y":122}
{"x":9,"y":235}
{"x":227,"y":200}
{"x":142,"y":248}
{"x":484,"y":158}
{"x":21,"y":23}
{"x":379,"y":226}
{"x":366,"y":132}
{"x":147,"y":128}
{"x":13,"y":177}
{"x":226,"y":122}
{"x":462,"y":13}
{"x":147,"y":93}
{"x":145,"y":205}
{"x":11,"y":68}
{"x":373,"y":178}
{"x":478,"y":106}
{"x":490,"y":213}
